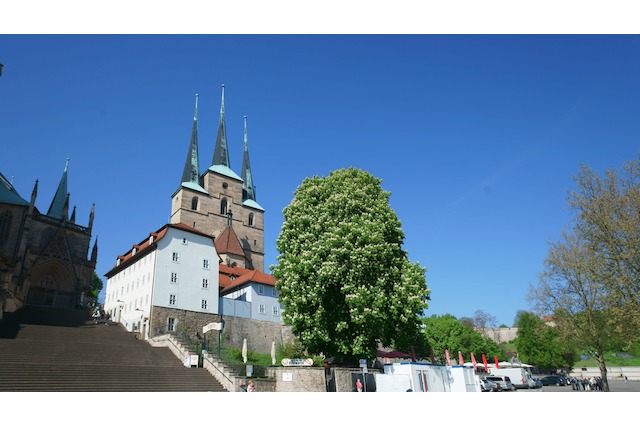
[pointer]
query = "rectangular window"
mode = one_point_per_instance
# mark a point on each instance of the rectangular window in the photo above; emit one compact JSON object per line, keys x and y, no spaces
{"x":175,"y":257}
{"x":184,"y":241}
{"x":174,"y":277}
{"x":276,"y":310}
{"x":171,"y":324}
{"x":205,"y":283}
{"x":260,"y":289}
{"x":262,"y":309}
{"x":172,"y":299}
{"x":274,"y":292}
{"x":205,"y":264}
{"x":204,"y":304}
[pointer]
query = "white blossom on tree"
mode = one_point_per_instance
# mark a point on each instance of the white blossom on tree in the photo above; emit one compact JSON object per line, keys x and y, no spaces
{"x":344,"y":280}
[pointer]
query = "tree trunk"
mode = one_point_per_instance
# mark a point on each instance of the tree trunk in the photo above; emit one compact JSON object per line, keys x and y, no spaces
{"x":603,"y":370}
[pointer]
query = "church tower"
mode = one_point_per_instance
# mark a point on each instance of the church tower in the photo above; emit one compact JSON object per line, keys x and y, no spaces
{"x":220,"y":199}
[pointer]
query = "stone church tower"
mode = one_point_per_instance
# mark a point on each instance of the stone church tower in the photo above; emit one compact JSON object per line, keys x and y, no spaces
{"x":221,"y":203}
{"x":43,"y":257}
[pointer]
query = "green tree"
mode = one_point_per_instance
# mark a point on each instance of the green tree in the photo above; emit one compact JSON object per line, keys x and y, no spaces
{"x":95,"y":287}
{"x":448,"y":333}
{"x":541,"y":345}
{"x":344,"y":280}
{"x":608,"y":220}
{"x":572,"y":287}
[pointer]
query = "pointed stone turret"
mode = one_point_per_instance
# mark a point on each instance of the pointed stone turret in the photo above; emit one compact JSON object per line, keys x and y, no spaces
{"x":91,"y":216}
{"x":34,"y":194}
{"x":73,"y":216}
{"x":56,"y":210}
{"x":221,"y":151}
{"x":191,"y":171}
{"x":94,"y":251}
{"x":248,"y":191}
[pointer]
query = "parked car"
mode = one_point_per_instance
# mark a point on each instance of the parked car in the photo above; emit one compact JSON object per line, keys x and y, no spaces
{"x":536,"y":383}
{"x":504,"y":382}
{"x":488,"y":385}
{"x":553,"y":380}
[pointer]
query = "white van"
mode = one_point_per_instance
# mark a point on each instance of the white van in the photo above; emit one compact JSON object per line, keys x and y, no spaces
{"x":520,"y":377}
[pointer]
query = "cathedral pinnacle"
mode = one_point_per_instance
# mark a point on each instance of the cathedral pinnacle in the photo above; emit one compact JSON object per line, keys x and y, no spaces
{"x":221,"y":151}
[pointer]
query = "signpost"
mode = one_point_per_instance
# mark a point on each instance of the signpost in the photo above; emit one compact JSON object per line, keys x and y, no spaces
{"x":363,"y":365}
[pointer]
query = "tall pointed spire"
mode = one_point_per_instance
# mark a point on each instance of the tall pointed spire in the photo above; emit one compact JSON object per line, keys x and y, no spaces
{"x":221,"y":151}
{"x":92,"y":216}
{"x":248,"y":191}
{"x":57,"y":207}
{"x":94,"y":251}
{"x":191,"y":172}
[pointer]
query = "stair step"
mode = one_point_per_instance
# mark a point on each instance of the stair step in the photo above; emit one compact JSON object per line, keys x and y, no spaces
{"x":45,"y":349}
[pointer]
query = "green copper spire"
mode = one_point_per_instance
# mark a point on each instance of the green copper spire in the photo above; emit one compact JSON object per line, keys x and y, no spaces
{"x":248,"y":190}
{"x":60,"y":200}
{"x":221,"y":151}
{"x":191,"y":171}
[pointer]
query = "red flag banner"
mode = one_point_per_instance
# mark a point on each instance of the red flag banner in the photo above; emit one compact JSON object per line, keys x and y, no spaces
{"x":484,"y":362}
{"x":460,"y":359}
{"x":473,"y":360}
{"x":446,"y":353}
{"x":495,"y":358}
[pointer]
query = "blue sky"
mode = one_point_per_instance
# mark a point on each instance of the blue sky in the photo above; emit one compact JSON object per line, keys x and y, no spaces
{"x":477,"y":137}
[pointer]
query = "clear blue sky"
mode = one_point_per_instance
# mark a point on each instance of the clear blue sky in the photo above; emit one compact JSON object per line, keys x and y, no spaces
{"x":477,"y":137}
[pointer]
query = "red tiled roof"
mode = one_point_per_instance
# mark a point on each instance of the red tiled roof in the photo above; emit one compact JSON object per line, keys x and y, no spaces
{"x":228,"y":243}
{"x":144,"y":245}
{"x":242,"y":276}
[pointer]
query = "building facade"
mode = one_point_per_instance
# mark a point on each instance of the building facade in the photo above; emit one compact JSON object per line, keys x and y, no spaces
{"x":44,"y":258}
{"x":175,"y":269}
{"x":219,"y":197}
{"x":207,"y":262}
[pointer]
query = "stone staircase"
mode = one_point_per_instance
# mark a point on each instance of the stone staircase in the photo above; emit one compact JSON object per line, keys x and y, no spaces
{"x":50,"y":349}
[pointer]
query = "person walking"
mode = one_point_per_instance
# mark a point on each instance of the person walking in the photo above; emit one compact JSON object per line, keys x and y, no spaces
{"x":96,"y":315}
{"x":358,"y":385}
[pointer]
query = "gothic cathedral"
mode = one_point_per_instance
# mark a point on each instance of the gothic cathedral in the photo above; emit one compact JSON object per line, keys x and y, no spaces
{"x":221,"y":203}
{"x":43,"y":257}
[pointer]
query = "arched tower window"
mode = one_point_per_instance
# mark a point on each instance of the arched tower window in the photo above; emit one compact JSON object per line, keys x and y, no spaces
{"x":194,"y":204}
{"x":251,"y":218}
{"x":5,"y":223}
{"x":223,"y":206}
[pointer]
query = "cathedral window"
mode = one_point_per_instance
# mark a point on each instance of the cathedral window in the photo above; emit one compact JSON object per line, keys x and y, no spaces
{"x":223,"y":207}
{"x":194,"y":204}
{"x":251,"y":219}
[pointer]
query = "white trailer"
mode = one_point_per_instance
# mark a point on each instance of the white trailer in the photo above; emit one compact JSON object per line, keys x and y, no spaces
{"x":520,"y":377}
{"x":423,"y":377}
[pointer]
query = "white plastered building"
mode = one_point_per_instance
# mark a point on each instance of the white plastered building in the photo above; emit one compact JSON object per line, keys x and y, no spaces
{"x":175,"y":269}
